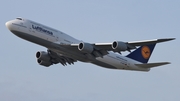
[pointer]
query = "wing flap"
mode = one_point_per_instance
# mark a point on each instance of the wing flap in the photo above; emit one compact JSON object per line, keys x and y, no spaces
{"x":150,"y":65}
{"x":59,"y":58}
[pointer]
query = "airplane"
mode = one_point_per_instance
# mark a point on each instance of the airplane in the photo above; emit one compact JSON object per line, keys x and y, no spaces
{"x":64,"y":49}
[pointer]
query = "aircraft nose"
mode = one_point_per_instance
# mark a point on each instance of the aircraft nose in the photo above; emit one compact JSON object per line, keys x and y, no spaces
{"x":8,"y":25}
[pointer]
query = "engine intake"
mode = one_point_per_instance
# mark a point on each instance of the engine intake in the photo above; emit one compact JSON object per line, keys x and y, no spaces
{"x":85,"y":47}
{"x":43,"y":58}
{"x":42,"y":55}
{"x":119,"y":46}
{"x":44,"y":63}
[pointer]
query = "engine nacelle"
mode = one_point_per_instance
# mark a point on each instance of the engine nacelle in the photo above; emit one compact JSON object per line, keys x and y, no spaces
{"x":85,"y":47}
{"x":42,"y":55}
{"x":119,"y":46}
{"x":44,"y":63}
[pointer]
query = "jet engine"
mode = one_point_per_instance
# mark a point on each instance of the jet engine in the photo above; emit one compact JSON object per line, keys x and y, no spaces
{"x":43,"y":58}
{"x":119,"y":46}
{"x":44,"y":63}
{"x":85,"y":47}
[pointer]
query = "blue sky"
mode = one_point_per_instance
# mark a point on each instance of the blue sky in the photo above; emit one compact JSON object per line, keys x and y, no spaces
{"x":22,"y":79}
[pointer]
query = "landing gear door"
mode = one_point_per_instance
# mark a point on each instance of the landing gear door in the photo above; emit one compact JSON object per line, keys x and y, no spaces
{"x":30,"y":28}
{"x":57,"y":38}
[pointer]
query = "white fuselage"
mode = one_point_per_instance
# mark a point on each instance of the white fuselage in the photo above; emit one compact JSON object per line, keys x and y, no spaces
{"x":46,"y":36}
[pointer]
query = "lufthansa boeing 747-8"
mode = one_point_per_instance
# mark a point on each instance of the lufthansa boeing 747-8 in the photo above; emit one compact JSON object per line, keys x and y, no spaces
{"x":64,"y":49}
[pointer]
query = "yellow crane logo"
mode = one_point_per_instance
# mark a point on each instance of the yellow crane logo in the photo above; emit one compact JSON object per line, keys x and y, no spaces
{"x":145,"y":51}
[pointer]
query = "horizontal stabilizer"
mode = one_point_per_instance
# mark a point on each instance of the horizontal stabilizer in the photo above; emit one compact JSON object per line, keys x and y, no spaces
{"x":150,"y":65}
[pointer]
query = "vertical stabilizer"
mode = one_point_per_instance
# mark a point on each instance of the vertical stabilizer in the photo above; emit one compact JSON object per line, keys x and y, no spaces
{"x":142,"y":54}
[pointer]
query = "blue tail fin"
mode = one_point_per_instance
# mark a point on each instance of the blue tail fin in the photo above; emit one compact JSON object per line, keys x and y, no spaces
{"x":142,"y":54}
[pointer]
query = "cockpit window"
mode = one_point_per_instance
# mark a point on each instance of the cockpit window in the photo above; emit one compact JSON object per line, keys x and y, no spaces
{"x":19,"y":18}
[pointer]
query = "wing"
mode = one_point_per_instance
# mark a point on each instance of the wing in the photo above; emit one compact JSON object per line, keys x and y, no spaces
{"x":101,"y":49}
{"x":147,"y":42}
{"x":130,"y":45}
